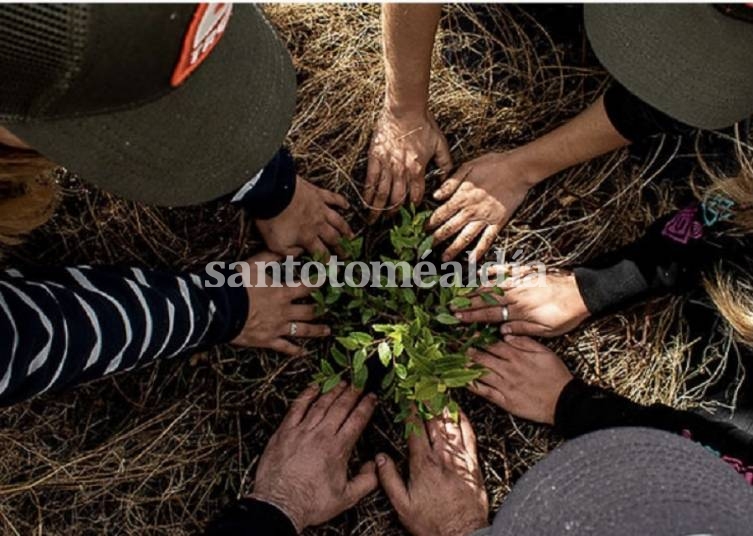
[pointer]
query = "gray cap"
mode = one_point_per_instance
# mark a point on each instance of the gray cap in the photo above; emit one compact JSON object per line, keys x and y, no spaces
{"x":690,"y":61}
{"x":170,"y":104}
{"x":628,"y":482}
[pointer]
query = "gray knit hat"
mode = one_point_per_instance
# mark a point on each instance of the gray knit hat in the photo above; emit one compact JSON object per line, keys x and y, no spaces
{"x":690,"y":61}
{"x":628,"y":482}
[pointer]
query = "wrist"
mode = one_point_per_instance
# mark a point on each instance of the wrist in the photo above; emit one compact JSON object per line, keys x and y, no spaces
{"x":531,"y":168}
{"x":296,"y":518}
{"x":405,"y":110}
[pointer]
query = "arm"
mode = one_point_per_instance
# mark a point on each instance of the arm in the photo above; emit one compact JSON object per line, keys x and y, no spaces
{"x":66,"y":326}
{"x":583,"y":408}
{"x":405,"y":137}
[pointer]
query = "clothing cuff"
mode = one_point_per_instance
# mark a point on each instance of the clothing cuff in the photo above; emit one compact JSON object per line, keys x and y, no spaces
{"x":251,"y":517}
{"x":567,"y":417}
{"x":604,"y":289}
{"x":270,"y":192}
{"x":231,"y":307}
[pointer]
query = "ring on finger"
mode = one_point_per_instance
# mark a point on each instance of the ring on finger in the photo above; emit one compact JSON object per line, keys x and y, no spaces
{"x":505,"y":313}
{"x":293,"y":328}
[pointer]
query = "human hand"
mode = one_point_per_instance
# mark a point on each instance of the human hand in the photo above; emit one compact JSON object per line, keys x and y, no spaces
{"x":309,"y":222}
{"x":304,"y":468}
{"x":401,"y":147}
{"x":271,"y":313}
{"x":445,"y":494}
{"x":480,"y":198}
{"x":538,"y":306}
{"x":523,"y":377}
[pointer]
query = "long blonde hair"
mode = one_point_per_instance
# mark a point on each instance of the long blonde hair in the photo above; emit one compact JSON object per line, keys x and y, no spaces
{"x":28,"y":192}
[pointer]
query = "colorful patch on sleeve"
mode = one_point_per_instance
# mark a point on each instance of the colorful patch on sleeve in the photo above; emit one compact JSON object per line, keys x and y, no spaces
{"x":684,"y":226}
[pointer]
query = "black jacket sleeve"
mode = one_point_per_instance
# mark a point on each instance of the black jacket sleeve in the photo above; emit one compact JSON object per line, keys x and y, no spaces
{"x":62,"y":327}
{"x":669,"y":257}
{"x":269,"y":192}
{"x":249,"y":517}
{"x":584,"y":408}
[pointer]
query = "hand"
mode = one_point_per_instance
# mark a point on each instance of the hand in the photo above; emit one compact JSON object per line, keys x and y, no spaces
{"x":523,"y":377}
{"x":271,"y":312}
{"x":552,"y":307}
{"x":304,"y":469}
{"x":445,"y":495}
{"x":400,"y":150}
{"x":479,"y":198}
{"x":309,"y":222}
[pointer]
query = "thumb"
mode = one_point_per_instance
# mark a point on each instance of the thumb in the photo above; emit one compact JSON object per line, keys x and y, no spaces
{"x":364,"y":483}
{"x":392,"y":483}
{"x":521,"y":327}
{"x":265,"y":256}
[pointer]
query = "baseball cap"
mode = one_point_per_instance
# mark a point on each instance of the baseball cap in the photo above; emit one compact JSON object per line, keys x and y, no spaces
{"x":170,"y":104}
{"x":690,"y":61}
{"x":625,"y":482}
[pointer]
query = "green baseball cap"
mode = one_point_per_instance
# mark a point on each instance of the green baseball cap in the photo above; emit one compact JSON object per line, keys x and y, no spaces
{"x":690,"y":61}
{"x":170,"y":104}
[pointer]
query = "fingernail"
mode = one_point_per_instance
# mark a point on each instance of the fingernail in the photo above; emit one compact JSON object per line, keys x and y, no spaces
{"x":505,"y":330}
{"x":381,"y":460}
{"x":373,"y":397}
{"x":459,"y":316}
{"x":342,"y":384}
{"x":328,"y":331}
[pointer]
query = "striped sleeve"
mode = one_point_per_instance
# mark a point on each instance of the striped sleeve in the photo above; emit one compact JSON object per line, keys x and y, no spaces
{"x":63,"y":327}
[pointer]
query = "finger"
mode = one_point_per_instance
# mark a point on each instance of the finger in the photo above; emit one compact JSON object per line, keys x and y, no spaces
{"x":331,"y":236}
{"x":308,"y":331}
{"x":342,"y":407}
{"x":264,"y":256}
{"x":463,"y":240}
{"x":397,"y":197}
{"x":338,"y":222}
{"x":442,"y":157}
{"x":494,"y":365}
{"x":382,"y":194}
{"x":316,"y":246}
{"x":303,"y":313}
{"x":300,"y":406}
{"x":393,"y":484}
{"x":490,"y":315}
{"x":284,"y":346}
{"x":373,"y":172}
{"x":419,"y":446}
{"x":364,"y":483}
{"x":356,"y":422}
{"x":526,"y":344}
{"x":468,"y":434}
{"x":486,"y":241}
{"x":333,"y":198}
{"x":478,"y":302}
{"x":417,"y":188}
{"x":300,"y":292}
{"x":451,"y":185}
{"x":451,"y":227}
{"x":445,"y":211}
{"x":319,"y":410}
{"x":490,"y":393}
{"x":502,"y":350}
{"x":525,"y":327}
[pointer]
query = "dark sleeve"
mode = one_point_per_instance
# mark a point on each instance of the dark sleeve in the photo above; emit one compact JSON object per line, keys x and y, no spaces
{"x":584,"y":408}
{"x":635,"y":119}
{"x":669,"y":257}
{"x":249,"y":517}
{"x":61,"y":327}
{"x":270,"y":191}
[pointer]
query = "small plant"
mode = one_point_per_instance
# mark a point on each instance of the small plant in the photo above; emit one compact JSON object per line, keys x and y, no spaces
{"x":404,"y":337}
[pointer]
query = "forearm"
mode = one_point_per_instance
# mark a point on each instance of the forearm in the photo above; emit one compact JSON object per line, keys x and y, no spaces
{"x":408,"y":32}
{"x":66,"y":326}
{"x":582,"y":409}
{"x":586,"y":136}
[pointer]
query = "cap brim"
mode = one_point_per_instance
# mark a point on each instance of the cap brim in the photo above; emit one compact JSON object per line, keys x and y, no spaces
{"x":689,"y":61}
{"x":199,"y":142}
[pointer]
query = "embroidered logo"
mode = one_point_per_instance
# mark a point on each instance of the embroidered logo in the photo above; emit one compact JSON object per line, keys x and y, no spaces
{"x":207,"y":26}
{"x":684,"y":226}
{"x":716,"y":209}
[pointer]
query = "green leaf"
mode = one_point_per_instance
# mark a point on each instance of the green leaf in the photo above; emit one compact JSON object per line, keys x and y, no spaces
{"x":460,"y":302}
{"x":425,"y":245}
{"x":340,"y":358}
{"x":401,"y":371}
{"x":359,"y":359}
{"x":385,"y":353}
{"x":359,"y":378}
{"x":361,"y":338}
{"x":348,"y":342}
{"x":488,"y":299}
{"x":326,"y":367}
{"x":409,"y":296}
{"x":447,"y":319}
{"x":330,"y":383}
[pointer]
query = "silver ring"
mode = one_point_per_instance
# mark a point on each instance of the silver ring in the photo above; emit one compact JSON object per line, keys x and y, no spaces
{"x":293,"y":329}
{"x":505,"y":313}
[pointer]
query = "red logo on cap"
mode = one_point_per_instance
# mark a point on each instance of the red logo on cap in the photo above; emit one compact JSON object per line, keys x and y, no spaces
{"x":206,"y":29}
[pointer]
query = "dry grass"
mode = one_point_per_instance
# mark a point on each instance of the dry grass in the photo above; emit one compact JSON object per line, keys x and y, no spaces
{"x":159,"y":450}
